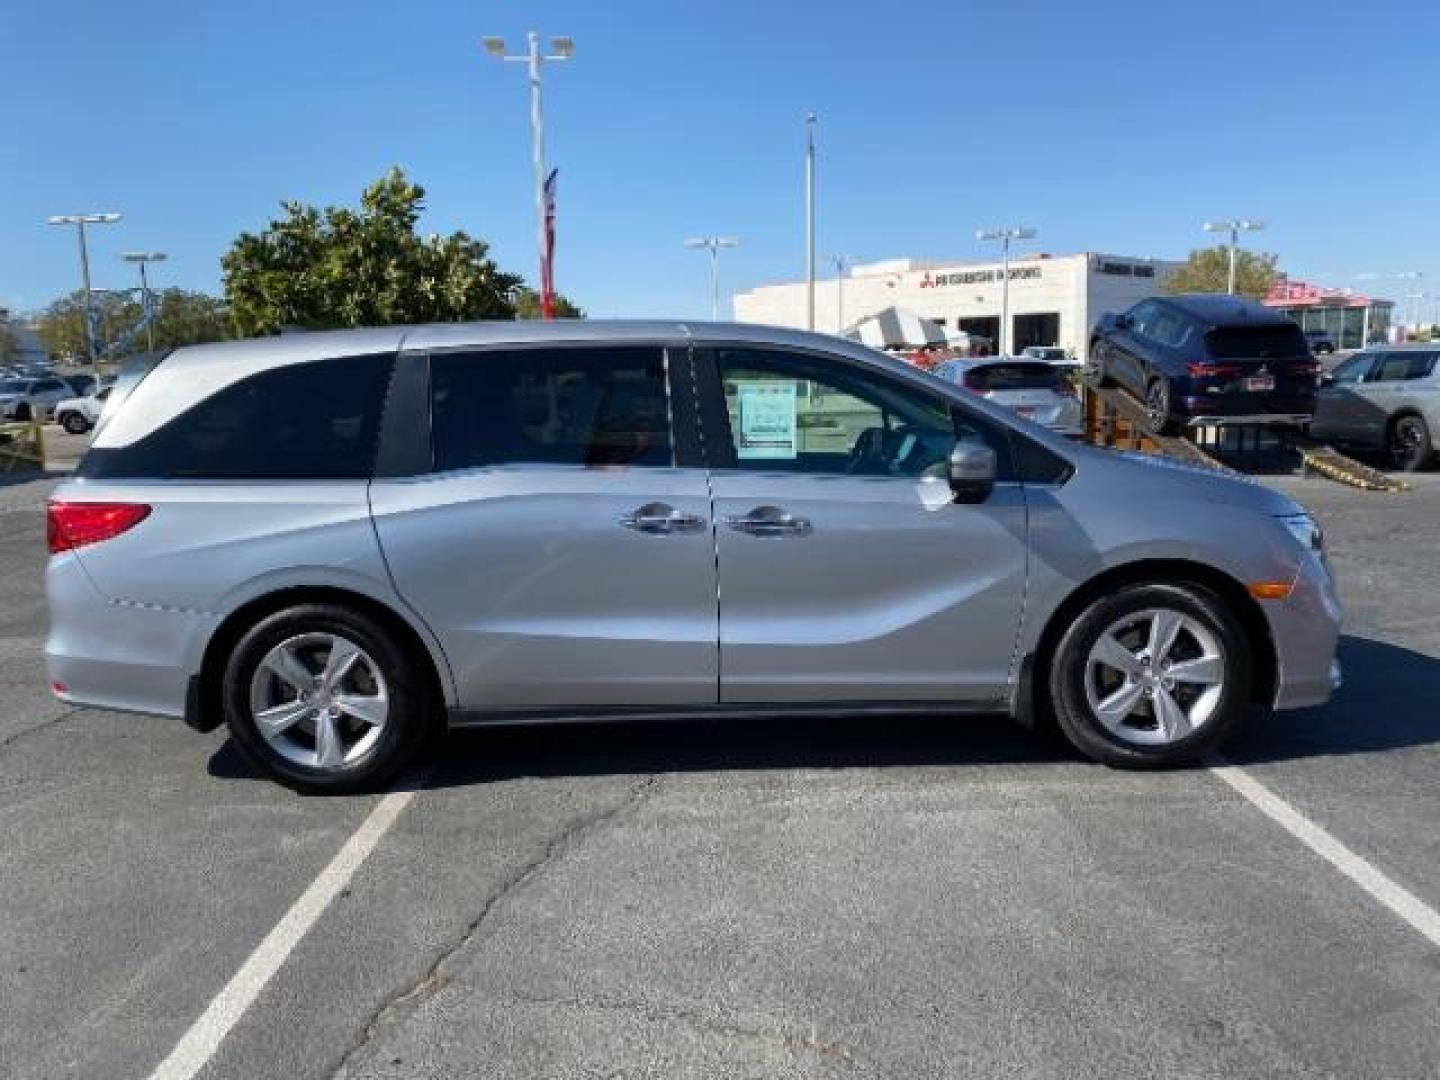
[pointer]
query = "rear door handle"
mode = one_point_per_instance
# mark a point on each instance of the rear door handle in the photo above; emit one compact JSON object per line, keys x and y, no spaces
{"x":769,"y":521}
{"x":659,"y":517}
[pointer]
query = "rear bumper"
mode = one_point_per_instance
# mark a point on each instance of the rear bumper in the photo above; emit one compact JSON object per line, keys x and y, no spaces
{"x":1244,"y":409}
{"x":1306,"y":630}
{"x":128,"y":657}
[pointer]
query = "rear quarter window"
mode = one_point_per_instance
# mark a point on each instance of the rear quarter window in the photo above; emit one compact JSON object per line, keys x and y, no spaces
{"x":310,"y":421}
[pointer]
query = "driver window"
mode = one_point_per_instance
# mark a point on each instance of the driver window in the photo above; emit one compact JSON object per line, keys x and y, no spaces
{"x":789,"y":412}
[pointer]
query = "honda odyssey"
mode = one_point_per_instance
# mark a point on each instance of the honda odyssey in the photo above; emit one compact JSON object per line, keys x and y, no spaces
{"x":340,"y":543}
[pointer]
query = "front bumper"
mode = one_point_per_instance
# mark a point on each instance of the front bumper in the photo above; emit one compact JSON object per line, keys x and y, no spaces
{"x":1305,"y":629}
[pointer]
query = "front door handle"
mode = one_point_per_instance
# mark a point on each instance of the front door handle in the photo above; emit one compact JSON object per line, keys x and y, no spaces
{"x":659,"y":517}
{"x":769,"y":521}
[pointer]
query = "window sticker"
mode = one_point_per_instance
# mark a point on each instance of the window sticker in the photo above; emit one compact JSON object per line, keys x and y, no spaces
{"x":768,"y":427}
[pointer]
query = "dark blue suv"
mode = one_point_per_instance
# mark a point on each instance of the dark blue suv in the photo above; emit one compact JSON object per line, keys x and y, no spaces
{"x":1203,"y":357}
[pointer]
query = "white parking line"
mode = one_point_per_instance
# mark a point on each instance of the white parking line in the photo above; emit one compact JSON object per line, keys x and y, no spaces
{"x":1383,"y":888}
{"x":199,"y":1044}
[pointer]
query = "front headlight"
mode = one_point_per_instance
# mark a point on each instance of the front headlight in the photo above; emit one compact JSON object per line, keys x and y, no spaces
{"x":1306,"y":531}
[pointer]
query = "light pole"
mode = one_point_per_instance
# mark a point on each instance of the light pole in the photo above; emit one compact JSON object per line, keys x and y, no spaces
{"x":564,"y":49}
{"x":1015,"y":232}
{"x":810,"y":221}
{"x":1234,"y":227}
{"x":840,"y":262}
{"x":143,"y":257}
{"x":80,"y":221}
{"x":713,"y":244}
{"x":1412,"y":309}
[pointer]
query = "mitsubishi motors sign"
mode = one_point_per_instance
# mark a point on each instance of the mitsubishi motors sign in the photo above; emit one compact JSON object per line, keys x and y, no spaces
{"x":977,"y":277}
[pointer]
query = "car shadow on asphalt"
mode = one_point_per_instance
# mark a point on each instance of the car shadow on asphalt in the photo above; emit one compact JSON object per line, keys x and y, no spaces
{"x":1391,"y":700}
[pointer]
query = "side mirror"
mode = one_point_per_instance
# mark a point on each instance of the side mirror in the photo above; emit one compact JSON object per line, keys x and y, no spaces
{"x":972,"y":471}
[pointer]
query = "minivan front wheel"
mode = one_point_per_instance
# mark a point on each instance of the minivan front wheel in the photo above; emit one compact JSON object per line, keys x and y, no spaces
{"x":1151,"y":675}
{"x":323,"y":699}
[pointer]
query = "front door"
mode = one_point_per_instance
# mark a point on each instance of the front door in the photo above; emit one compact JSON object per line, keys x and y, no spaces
{"x":1342,"y":411}
{"x":847,"y":571}
{"x":555,"y":550}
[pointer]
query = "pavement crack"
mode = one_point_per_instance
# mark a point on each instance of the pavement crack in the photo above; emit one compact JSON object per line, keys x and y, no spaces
{"x":395,"y":1008}
{"x":44,"y":725}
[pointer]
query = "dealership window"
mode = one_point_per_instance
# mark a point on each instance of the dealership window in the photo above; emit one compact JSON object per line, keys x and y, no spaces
{"x":558,"y":406}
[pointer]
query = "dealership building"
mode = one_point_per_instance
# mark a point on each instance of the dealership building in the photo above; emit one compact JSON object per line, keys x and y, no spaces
{"x":1054,"y":299}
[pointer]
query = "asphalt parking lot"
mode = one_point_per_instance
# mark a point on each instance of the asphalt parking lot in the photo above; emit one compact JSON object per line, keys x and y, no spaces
{"x":906,"y":898}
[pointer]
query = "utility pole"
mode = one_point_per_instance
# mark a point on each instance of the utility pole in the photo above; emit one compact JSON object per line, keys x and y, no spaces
{"x":713,"y":244}
{"x":92,"y":351}
{"x":147,"y":302}
{"x":1005,"y":235}
{"x":563,"y":49}
{"x":810,"y":221}
{"x":1234,"y":227}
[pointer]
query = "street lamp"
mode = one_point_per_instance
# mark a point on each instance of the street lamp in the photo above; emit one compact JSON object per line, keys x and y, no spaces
{"x":810,"y":221}
{"x":1234,"y":227}
{"x":562,"y":48}
{"x":1005,"y":235}
{"x":840,"y":262}
{"x":80,"y":221}
{"x":713,"y":244}
{"x":1412,"y":313}
{"x":144,"y":257}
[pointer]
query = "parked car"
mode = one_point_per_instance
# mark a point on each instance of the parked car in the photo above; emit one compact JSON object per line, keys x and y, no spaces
{"x":1320,"y":341}
{"x":1051,"y":354}
{"x":20,"y":399}
{"x":78,"y":415}
{"x":1384,"y":399}
{"x":1207,"y":358}
{"x":335,"y":542}
{"x":1034,"y":389}
{"x":81,"y":385}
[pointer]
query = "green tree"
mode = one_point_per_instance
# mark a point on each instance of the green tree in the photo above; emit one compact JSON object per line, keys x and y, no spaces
{"x":527,"y":305}
{"x":181,"y":318}
{"x":1208,"y":270}
{"x":337,"y":267}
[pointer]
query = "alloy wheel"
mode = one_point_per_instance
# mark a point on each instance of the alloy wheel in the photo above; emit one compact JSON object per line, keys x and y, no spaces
{"x":1407,"y":441}
{"x":1157,"y":405}
{"x":1155,"y":677}
{"x":319,"y":700}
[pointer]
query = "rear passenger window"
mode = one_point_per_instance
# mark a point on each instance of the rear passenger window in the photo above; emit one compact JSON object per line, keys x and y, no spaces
{"x":557,"y":406}
{"x":309,"y":421}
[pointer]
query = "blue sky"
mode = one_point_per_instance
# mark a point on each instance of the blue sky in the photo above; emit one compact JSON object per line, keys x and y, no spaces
{"x":1113,"y":126}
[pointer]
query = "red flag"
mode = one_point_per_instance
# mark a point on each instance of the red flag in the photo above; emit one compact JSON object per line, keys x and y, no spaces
{"x":547,"y":268}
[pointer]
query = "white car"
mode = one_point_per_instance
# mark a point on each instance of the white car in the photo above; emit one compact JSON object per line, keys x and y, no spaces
{"x":1034,"y":389}
{"x":79,"y":415}
{"x":23,"y":398}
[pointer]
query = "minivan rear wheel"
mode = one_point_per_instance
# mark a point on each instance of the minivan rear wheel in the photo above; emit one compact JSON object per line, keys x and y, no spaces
{"x":323,"y":699}
{"x":1157,"y":407}
{"x":1151,"y":675}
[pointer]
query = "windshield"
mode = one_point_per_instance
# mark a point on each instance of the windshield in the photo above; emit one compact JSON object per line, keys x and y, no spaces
{"x":1034,"y":376}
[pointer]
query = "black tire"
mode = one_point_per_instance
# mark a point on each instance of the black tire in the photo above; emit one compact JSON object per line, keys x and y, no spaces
{"x":1096,"y":372}
{"x":1069,"y":670}
{"x":74,"y":423}
{"x":1157,"y":406}
{"x":408,"y":723}
{"x":1408,"y":442}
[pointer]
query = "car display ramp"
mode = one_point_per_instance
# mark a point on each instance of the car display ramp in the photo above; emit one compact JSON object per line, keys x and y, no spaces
{"x":1115,"y":418}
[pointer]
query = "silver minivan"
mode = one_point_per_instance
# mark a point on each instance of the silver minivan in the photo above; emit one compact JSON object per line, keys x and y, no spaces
{"x":340,"y":543}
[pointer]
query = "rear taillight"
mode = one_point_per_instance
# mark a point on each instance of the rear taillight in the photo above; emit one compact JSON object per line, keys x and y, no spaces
{"x":74,"y":524}
{"x":1214,"y":371}
{"x":970,"y":383}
